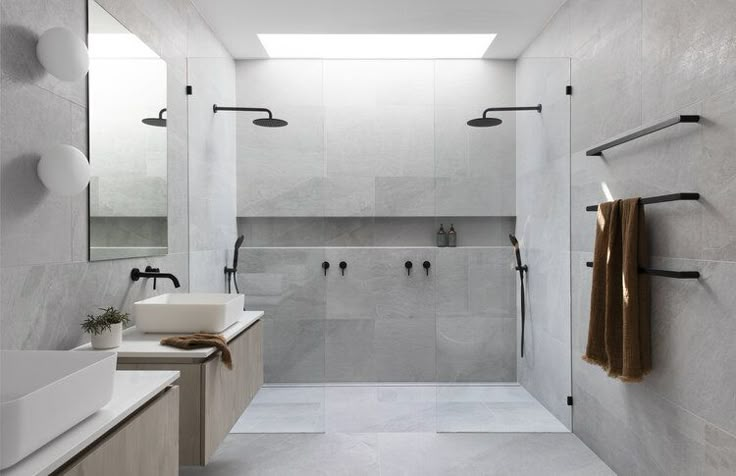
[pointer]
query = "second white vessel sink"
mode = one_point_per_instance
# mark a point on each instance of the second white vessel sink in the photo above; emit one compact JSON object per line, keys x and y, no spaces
{"x":44,"y":393}
{"x":187,"y":313}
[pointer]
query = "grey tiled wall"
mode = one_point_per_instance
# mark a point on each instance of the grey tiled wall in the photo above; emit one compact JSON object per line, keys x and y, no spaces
{"x":47,"y":284}
{"x":378,"y":324}
{"x":635,"y":62}
{"x":372,"y":138}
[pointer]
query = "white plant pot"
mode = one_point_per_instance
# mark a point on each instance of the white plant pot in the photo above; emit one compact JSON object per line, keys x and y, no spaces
{"x":109,"y":339}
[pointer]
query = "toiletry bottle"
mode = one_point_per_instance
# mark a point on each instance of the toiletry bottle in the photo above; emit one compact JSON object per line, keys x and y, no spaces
{"x":441,"y":237}
{"x":452,"y":236}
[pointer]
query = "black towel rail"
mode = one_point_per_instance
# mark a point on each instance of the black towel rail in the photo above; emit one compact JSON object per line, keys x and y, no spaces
{"x":643,"y":132}
{"x":663,"y":272}
{"x":658,"y":199}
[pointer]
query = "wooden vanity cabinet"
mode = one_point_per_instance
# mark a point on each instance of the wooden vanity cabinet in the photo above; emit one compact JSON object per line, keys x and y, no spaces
{"x":212,"y":397}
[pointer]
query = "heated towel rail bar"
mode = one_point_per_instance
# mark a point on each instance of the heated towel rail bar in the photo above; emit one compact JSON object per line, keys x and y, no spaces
{"x":658,"y":199}
{"x":643,"y":132}
{"x":663,"y":272}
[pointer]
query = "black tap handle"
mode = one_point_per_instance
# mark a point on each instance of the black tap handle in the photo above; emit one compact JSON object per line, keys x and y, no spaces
{"x":325,"y":266}
{"x":408,"y":266}
{"x":343,"y":265}
{"x":426,"y":266}
{"x":151,"y":269}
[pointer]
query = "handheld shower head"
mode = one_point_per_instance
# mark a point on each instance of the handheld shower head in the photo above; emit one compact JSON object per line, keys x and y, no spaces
{"x":238,"y":242}
{"x":514,"y":241}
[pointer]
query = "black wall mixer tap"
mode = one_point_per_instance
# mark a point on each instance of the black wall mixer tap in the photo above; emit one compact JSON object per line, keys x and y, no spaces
{"x":325,"y":266}
{"x":408,"y":265}
{"x":426,"y":265}
{"x":343,"y":265}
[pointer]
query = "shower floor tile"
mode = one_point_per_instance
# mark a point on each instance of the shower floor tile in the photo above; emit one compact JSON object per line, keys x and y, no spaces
{"x":366,"y":408}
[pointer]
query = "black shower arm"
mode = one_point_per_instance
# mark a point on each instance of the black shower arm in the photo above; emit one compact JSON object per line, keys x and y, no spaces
{"x":216,"y":108}
{"x":537,"y":108}
{"x":161,"y":113}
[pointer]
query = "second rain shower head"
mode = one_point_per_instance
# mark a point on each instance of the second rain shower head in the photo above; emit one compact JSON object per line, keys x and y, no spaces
{"x":269,"y":121}
{"x":494,"y":121}
{"x":159,"y":121}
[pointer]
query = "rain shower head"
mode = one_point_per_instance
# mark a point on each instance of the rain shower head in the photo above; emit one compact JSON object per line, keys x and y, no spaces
{"x":159,"y":121}
{"x":269,"y":121}
{"x":494,"y":121}
{"x":484,"y":122}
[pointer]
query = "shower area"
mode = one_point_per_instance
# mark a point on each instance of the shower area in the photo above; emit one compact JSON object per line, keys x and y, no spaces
{"x":370,"y":326}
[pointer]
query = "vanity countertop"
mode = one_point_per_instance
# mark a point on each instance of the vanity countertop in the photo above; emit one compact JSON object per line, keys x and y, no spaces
{"x":131,"y":391}
{"x":138,"y":345}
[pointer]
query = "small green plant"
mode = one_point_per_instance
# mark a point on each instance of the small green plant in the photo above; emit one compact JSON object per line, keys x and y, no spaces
{"x":103,"y":322}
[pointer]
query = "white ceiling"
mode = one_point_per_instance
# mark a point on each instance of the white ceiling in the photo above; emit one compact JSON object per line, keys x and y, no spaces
{"x":517,"y":22}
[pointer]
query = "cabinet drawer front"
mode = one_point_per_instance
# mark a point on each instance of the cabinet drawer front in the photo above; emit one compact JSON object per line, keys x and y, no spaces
{"x":145,"y":445}
{"x":228,"y":392}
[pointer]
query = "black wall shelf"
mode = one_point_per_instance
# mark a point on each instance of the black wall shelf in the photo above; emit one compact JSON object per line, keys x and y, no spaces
{"x":643,"y":132}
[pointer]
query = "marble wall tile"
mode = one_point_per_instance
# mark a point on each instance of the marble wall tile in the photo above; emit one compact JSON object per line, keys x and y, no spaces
{"x":349,"y":231}
{"x":43,"y":305}
{"x":688,"y":52}
{"x":476,"y":350}
{"x":716,"y":178}
{"x":354,"y":294}
{"x":555,"y":40}
{"x":590,"y":20}
{"x":463,"y":89}
{"x":405,"y":350}
{"x":475,"y":283}
{"x":405,"y":196}
{"x":22,"y":23}
{"x":294,"y":350}
{"x":606,"y":75}
{"x":284,"y":196}
{"x":36,"y":223}
{"x":206,"y":274}
{"x":286,"y":283}
{"x":282,"y":231}
{"x":403,"y":296}
{"x":349,"y":353}
{"x":476,"y":196}
{"x":349,"y":197}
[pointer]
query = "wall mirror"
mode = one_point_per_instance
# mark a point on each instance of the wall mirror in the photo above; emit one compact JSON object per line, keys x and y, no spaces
{"x":127,"y":143}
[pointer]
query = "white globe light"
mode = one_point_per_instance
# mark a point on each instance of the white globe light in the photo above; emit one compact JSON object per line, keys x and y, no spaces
{"x":63,"y":54}
{"x":64,"y":170}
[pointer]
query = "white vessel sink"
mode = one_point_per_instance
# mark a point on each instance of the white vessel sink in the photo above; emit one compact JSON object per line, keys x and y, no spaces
{"x":44,"y":393}
{"x":187,"y":313}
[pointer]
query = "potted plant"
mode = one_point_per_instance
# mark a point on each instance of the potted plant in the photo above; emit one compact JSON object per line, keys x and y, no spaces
{"x":106,"y":329}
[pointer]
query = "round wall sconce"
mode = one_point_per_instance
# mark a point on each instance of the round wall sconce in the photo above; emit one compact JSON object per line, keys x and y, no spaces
{"x":63,"y":54}
{"x":64,"y":170}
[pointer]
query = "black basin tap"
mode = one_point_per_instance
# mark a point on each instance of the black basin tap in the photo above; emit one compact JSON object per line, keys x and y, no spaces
{"x":150,"y":272}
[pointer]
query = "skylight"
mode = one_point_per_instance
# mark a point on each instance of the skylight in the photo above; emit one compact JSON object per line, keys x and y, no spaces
{"x":378,"y":46}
